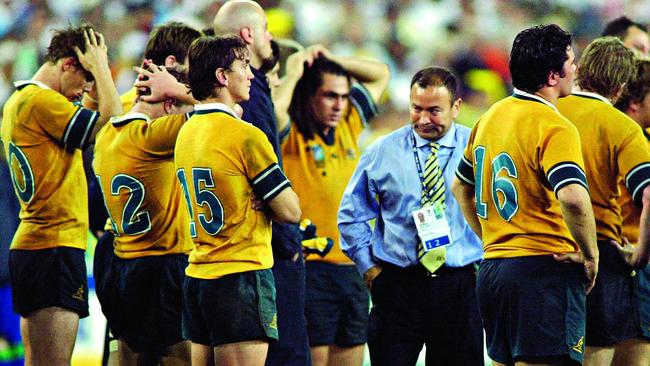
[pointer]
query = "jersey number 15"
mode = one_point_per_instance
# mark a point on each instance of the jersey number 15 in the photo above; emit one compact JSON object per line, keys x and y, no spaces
{"x":202,"y":179}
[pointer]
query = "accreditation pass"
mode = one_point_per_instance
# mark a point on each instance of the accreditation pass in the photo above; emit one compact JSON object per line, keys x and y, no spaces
{"x":432,"y":226}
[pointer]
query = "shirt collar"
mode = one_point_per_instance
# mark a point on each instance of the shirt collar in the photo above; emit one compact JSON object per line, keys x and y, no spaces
{"x":214,"y":107}
{"x":22,"y":83}
{"x":525,"y":95}
{"x":447,"y":140}
{"x":591,"y":95}
{"x":124,"y":119}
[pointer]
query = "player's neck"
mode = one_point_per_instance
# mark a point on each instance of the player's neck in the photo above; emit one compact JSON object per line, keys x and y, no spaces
{"x":49,"y":74}
{"x":152,"y":110}
{"x":549,"y":94}
{"x":224,"y":97}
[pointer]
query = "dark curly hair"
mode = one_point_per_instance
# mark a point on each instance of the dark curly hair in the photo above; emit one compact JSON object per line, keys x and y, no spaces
{"x":536,"y":52}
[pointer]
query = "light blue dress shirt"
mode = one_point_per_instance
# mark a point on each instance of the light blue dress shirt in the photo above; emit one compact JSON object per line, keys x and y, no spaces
{"x":385,"y":186}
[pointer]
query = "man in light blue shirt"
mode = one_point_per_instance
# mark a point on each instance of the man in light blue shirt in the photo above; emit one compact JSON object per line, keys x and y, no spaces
{"x":412,"y":305}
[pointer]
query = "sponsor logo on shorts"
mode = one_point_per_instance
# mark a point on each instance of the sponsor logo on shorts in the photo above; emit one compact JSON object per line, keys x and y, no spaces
{"x":274,"y":322}
{"x":79,"y":295}
{"x":578,"y":346}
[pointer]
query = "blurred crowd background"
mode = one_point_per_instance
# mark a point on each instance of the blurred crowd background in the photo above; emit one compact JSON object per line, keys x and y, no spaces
{"x":472,"y":37}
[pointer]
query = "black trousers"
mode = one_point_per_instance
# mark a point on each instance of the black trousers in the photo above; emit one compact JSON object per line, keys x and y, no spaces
{"x":411,"y":309}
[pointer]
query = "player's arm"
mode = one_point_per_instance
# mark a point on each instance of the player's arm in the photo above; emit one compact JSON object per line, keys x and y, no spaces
{"x":465,"y":196}
{"x":642,"y":250}
{"x":274,"y":189}
{"x":95,"y":61}
{"x":285,"y":207}
{"x":634,"y":163}
{"x":579,"y":216}
{"x":463,"y":189}
{"x":283,"y":93}
{"x":374,"y":75}
{"x":269,"y":182}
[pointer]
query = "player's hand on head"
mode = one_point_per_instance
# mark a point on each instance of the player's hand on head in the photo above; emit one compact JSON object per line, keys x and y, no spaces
{"x":158,"y":82}
{"x":315,"y":51}
{"x":96,"y":54}
{"x":295,"y":63}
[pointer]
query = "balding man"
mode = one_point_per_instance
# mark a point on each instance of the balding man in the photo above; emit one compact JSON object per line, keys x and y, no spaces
{"x":246,"y":19}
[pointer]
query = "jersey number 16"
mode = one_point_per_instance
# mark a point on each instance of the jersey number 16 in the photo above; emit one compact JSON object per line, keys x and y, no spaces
{"x":506,"y":203}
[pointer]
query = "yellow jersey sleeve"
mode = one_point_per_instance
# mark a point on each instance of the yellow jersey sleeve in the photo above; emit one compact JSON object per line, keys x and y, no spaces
{"x":262,"y":168}
{"x":634,"y":162}
{"x":159,"y":136}
{"x":561,"y":162}
{"x":465,"y":169}
{"x":62,"y":120}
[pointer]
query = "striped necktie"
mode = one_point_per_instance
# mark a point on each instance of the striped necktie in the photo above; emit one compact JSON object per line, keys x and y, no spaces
{"x":434,"y":194}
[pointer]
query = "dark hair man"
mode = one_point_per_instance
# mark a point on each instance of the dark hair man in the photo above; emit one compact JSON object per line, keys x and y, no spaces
{"x":221,"y":162}
{"x":522,"y":187}
{"x":634,"y":35}
{"x":332,"y":99}
{"x":421,"y":275}
{"x":246,"y":19}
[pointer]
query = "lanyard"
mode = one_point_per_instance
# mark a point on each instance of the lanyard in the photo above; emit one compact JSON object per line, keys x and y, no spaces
{"x":419,"y":167}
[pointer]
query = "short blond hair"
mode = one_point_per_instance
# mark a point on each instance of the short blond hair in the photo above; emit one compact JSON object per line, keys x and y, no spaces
{"x":605,"y":66}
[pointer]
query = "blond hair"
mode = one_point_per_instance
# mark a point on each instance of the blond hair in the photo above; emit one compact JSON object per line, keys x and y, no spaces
{"x":606,"y":66}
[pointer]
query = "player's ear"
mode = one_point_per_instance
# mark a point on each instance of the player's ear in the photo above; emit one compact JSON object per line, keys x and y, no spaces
{"x":221,"y":76}
{"x":168,"y":105}
{"x":553,"y":78}
{"x":171,"y":61}
{"x":68,"y":63}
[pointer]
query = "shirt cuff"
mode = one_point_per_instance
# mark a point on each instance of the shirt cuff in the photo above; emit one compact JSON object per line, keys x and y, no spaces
{"x":364,"y":260}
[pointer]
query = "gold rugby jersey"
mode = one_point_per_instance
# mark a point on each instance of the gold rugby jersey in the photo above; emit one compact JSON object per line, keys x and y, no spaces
{"x":320,"y":168}
{"x":220,"y":161}
{"x":134,"y":164}
{"x":43,"y":134}
{"x":613,"y":146}
{"x":520,"y":153}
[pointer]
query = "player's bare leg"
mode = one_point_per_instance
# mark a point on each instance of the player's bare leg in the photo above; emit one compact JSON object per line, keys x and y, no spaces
{"x":598,"y":356}
{"x":202,"y":355}
{"x":177,"y":354}
{"x":49,"y":336}
{"x":320,"y":355}
{"x":632,"y":352}
{"x":339,"y":356}
{"x":250,"y":353}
